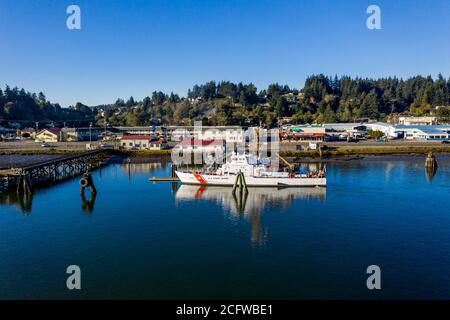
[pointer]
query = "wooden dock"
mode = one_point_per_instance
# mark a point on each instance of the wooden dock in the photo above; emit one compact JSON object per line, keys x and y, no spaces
{"x":23,"y":179}
{"x":173,"y":177}
{"x":164,"y":179}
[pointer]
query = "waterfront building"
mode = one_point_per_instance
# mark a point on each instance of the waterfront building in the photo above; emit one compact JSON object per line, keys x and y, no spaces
{"x":341,"y":127}
{"x":387,"y":129}
{"x":116,"y":133}
{"x":26,"y":134}
{"x":138,"y":130}
{"x":307,"y":133}
{"x":179,"y":134}
{"x":424,"y":132}
{"x":192,"y":145}
{"x":49,"y":135}
{"x":231,"y":134}
{"x":142,"y":142}
{"x":81,"y":134}
{"x":336,"y":131}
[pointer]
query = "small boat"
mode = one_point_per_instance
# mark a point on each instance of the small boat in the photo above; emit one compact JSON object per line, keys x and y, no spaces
{"x":256,"y":174}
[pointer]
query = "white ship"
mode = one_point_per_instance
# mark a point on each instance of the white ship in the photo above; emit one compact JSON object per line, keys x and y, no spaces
{"x":256,"y":175}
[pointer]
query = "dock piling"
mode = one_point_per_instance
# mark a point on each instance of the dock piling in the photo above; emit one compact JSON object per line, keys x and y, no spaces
{"x":87,"y":181}
{"x":174,"y":168}
{"x":24,"y":184}
{"x":240,"y":182}
{"x":430,"y":162}
{"x":430,"y":166}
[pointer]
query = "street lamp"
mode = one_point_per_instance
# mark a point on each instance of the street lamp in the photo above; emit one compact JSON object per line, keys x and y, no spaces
{"x":90,"y":132}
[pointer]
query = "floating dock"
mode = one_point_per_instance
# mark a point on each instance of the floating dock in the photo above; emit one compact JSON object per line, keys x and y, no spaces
{"x":172,"y":178}
{"x":164,"y":179}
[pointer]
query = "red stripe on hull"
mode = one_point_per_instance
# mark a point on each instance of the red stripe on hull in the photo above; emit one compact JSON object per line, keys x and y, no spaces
{"x":199,"y":178}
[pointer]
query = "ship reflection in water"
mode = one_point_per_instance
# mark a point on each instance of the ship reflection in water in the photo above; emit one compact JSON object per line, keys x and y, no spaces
{"x":250,"y":205}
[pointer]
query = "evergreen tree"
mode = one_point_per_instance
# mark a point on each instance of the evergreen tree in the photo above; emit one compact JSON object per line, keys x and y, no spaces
{"x":369,"y":106}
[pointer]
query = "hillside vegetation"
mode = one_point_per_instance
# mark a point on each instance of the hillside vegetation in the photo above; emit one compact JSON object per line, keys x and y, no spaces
{"x":322,"y":99}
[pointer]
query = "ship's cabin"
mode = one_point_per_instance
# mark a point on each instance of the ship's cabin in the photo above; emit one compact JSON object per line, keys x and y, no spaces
{"x":238,"y":162}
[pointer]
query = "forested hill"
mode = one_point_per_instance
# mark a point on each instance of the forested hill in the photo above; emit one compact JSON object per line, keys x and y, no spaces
{"x":322,"y":99}
{"x":26,"y":108}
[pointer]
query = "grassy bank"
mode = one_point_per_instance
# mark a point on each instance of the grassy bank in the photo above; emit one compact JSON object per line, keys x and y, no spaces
{"x":130,"y":153}
{"x":147,"y":153}
{"x":328,"y":152}
{"x":368,"y":150}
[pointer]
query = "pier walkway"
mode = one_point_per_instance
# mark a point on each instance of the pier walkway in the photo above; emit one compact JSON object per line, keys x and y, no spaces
{"x":23,"y":178}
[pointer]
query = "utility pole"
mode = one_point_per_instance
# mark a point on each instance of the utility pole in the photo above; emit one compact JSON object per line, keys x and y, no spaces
{"x":90,"y":132}
{"x":105,"y":129}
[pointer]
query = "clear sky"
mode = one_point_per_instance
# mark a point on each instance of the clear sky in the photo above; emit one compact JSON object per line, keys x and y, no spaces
{"x":134,"y":47}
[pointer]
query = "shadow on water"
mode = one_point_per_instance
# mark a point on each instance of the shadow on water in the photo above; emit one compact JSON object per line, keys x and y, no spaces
{"x":430,"y":172}
{"x":19,"y":200}
{"x":88,"y":203}
{"x":23,"y":201}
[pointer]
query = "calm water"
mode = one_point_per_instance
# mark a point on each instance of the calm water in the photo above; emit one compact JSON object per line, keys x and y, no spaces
{"x":145,"y":240}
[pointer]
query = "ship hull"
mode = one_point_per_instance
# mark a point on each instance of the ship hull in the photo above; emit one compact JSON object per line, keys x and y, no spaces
{"x":251,"y":181}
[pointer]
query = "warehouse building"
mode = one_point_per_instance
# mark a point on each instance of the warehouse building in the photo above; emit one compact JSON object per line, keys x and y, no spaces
{"x":426,"y":132}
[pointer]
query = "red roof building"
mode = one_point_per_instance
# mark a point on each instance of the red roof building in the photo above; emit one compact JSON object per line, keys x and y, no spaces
{"x":136,"y":137}
{"x":302,"y":136}
{"x":200,"y":143}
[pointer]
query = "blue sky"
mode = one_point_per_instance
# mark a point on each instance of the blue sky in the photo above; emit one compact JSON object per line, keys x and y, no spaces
{"x":134,"y":47}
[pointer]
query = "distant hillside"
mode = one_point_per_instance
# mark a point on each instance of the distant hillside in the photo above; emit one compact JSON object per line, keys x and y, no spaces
{"x":27,"y":108}
{"x":322,"y":99}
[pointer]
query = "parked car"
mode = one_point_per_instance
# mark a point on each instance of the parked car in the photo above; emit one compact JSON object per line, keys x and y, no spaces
{"x":104,"y":145}
{"x":445,"y":142}
{"x":45,"y":145}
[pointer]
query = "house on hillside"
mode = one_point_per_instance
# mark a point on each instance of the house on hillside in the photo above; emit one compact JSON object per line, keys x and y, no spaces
{"x":416,"y":121}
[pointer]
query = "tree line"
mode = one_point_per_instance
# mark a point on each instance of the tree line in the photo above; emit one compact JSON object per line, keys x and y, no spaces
{"x":27,"y":108}
{"x":323,"y":99}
